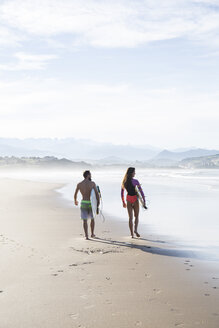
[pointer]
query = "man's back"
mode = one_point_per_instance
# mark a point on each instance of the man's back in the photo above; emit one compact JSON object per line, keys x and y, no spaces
{"x":85,"y":188}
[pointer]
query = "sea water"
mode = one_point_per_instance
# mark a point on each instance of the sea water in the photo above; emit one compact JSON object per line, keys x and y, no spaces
{"x":183,"y":205}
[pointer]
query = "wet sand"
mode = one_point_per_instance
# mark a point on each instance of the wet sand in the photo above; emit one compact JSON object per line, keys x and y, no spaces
{"x":52,"y":277}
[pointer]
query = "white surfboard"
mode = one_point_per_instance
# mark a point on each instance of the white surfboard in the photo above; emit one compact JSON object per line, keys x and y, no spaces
{"x":139,"y":195}
{"x":93,"y":200}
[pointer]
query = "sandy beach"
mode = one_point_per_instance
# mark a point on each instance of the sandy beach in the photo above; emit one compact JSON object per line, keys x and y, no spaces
{"x":51,"y":277}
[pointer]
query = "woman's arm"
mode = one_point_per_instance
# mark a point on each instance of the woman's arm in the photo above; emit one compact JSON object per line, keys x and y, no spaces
{"x":137,"y":183}
{"x":122,"y":196}
{"x":141,"y":191}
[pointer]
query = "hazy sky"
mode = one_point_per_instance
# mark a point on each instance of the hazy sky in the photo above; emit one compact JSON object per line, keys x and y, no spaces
{"x":132,"y":71}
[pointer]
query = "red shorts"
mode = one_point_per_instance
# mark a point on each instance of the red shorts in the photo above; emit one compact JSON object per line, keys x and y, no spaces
{"x":131,"y":199}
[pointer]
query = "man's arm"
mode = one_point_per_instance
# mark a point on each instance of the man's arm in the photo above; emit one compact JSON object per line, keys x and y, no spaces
{"x":75,"y":195}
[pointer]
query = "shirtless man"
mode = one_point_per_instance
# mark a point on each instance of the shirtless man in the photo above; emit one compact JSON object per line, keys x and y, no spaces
{"x":85,"y":188}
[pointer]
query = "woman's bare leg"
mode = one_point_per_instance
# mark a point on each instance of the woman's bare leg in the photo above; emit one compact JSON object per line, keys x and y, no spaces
{"x":130,"y":213}
{"x":136,"y":213}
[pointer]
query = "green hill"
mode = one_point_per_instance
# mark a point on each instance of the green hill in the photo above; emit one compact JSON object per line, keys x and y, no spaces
{"x":39,"y":162}
{"x":201,"y":162}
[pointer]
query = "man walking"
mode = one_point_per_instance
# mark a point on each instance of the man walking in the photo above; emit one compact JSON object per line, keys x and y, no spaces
{"x":85,"y":188}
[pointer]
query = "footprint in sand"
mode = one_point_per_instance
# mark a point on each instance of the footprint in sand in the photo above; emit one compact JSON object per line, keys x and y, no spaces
{"x":87,"y":262}
{"x":151,"y":299}
{"x":115,"y":314}
{"x":157,"y":291}
{"x":179,"y":324}
{"x":87,"y":307}
{"x":74,"y":315}
{"x":147,"y":275}
{"x":138,"y":324}
{"x":84,"y":296}
{"x":207,"y":294}
{"x":176,"y":311}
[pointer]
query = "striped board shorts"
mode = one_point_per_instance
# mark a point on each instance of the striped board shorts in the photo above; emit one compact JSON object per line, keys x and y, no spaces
{"x":86,"y":210}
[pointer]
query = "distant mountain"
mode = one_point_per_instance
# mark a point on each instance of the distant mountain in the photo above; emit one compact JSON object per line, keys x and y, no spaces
{"x":51,"y":162}
{"x":183,"y":149}
{"x":73,"y":148}
{"x":161,"y":162}
{"x":178,"y":156}
{"x":10,"y":150}
{"x":201,"y":162}
{"x":110,"y":160}
{"x":98,"y":153}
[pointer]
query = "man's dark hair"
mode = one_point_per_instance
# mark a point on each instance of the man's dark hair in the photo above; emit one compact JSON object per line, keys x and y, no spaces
{"x":86,"y":173}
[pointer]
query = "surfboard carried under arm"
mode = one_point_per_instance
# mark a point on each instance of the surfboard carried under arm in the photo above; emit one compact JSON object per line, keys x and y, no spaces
{"x":93,"y":200}
{"x":140,"y":198}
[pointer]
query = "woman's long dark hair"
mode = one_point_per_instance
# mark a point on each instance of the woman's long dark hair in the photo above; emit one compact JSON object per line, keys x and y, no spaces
{"x":127,"y":180}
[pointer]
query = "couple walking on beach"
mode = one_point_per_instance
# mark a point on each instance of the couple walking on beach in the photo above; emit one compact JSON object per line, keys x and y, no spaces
{"x":132,"y":204}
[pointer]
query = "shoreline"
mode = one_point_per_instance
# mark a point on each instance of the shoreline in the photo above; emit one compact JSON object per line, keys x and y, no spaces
{"x":52,"y":277}
{"x":185,"y":247}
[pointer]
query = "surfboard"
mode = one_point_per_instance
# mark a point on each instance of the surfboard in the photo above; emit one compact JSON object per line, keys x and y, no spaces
{"x":93,"y":200}
{"x":140,"y":198}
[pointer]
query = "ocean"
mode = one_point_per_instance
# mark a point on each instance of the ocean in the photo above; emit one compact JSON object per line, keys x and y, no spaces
{"x":183,"y":205}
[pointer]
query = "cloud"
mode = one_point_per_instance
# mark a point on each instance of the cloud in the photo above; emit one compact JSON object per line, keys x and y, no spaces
{"x":28,"y":62}
{"x":9,"y":38}
{"x":121,"y":23}
{"x":111,"y":112}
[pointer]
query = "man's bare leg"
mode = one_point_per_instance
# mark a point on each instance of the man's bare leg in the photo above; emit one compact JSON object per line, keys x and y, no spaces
{"x":85,"y":228}
{"x":130,"y":213}
{"x":92,"y":225}
{"x":136,"y":213}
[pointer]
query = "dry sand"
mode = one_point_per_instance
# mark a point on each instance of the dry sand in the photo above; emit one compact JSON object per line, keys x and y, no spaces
{"x":50,"y":276}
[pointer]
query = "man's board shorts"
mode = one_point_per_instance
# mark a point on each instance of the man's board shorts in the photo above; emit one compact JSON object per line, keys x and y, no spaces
{"x":86,"y":210}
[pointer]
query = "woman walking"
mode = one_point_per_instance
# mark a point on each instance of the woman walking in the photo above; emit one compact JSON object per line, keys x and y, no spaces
{"x":129,"y":184}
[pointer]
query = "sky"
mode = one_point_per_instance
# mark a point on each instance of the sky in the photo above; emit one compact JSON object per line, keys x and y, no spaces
{"x":124,"y":71}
